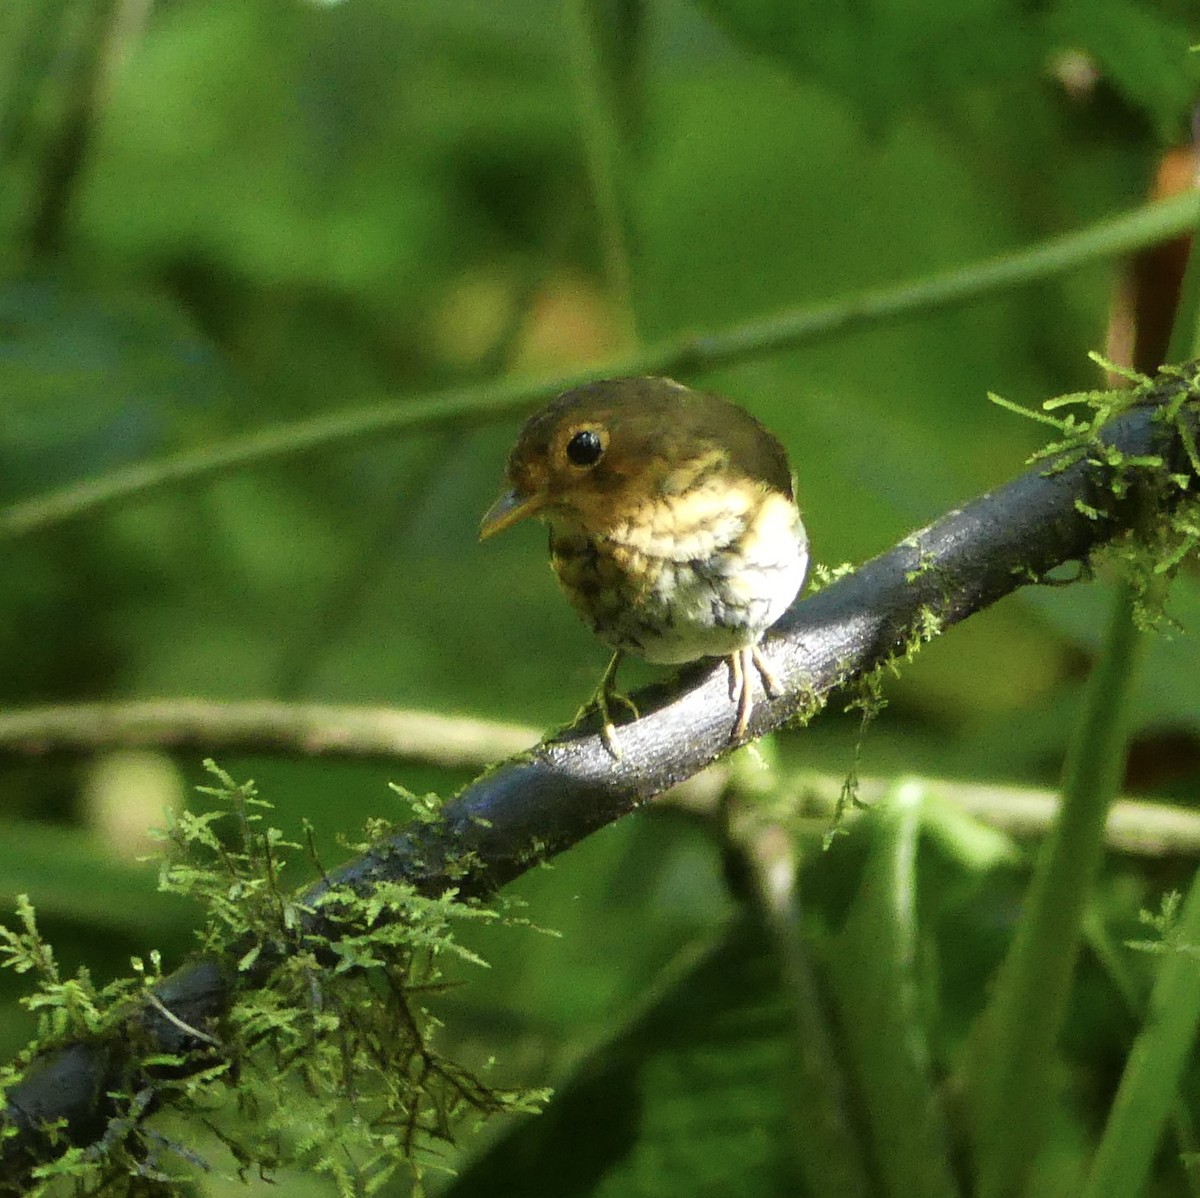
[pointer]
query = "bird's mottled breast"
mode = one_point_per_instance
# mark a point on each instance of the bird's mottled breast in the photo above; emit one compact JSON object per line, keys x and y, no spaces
{"x":690,"y":575}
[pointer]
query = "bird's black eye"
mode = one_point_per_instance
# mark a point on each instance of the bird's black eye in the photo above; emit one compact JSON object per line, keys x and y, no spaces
{"x":585,"y":448}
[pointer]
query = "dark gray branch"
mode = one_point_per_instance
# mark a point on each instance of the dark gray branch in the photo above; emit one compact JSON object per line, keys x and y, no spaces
{"x":535,"y":806}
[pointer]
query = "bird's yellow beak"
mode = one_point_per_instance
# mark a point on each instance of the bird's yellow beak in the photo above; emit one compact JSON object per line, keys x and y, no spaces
{"x":506,"y":511}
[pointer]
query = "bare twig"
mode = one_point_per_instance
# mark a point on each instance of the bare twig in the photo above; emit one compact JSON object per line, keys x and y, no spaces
{"x":1138,"y":827}
{"x":1142,"y":828}
{"x":307,"y":728}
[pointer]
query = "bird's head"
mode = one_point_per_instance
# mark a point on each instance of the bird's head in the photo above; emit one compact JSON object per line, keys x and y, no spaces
{"x":595,"y":456}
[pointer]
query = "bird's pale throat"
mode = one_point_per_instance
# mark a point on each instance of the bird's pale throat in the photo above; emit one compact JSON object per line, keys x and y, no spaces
{"x":689,"y":525}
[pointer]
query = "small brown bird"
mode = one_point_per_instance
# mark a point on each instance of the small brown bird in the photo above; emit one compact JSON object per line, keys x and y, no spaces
{"x":673,"y":528}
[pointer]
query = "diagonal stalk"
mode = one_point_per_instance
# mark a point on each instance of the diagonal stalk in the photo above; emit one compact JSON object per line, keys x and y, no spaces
{"x":1011,"y":1060}
{"x":769,"y":334}
{"x":1151,"y":1079}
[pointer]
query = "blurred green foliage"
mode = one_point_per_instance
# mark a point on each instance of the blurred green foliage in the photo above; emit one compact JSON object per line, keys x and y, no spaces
{"x":220,"y":214}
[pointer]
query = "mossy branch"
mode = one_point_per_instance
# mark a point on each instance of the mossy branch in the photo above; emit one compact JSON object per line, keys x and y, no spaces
{"x":684,"y":356}
{"x":536,"y":805}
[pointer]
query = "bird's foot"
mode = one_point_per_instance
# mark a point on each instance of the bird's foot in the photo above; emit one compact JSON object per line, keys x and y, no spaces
{"x":608,"y":730}
{"x":600,"y":704}
{"x":770,"y":683}
{"x":741,"y":686}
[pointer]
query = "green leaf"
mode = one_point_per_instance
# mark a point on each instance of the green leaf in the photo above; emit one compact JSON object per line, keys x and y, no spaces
{"x":1144,"y":54}
{"x":886,"y":58}
{"x":883,"y":56}
{"x":1008,"y":1069}
{"x":95,"y":376}
{"x":874,"y":969}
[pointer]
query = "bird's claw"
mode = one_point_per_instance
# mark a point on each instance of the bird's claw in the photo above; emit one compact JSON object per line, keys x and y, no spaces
{"x":608,"y":730}
{"x":770,"y":683}
{"x":599,"y":704}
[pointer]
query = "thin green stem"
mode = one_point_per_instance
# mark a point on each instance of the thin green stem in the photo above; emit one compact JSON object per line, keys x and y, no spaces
{"x":29,"y":68}
{"x":87,"y":57}
{"x":1015,"y":1045}
{"x":1117,"y":965}
{"x":1185,"y":329}
{"x":1109,"y":238}
{"x":1149,"y":1085}
{"x":874,"y":969}
{"x":602,"y":152}
{"x":334,"y":431}
{"x":1152,"y":1075}
{"x":686,"y":355}
{"x":829,"y":1155}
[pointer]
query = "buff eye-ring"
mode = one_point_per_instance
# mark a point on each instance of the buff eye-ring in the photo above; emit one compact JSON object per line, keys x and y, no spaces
{"x":585,"y":448}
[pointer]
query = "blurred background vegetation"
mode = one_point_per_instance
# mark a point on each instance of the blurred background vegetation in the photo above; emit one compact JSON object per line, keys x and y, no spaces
{"x":217,"y":215}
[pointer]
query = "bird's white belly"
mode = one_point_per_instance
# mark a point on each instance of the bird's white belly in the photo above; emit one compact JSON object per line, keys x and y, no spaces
{"x":714,"y":606}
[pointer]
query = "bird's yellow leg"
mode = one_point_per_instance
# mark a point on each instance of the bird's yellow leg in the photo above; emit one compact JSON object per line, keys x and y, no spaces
{"x":741,"y":684}
{"x":739,"y":689}
{"x":605,"y":691}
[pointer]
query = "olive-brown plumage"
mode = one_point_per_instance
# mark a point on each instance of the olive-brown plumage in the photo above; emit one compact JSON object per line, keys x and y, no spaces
{"x":673,"y":528}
